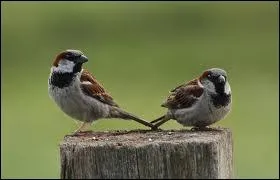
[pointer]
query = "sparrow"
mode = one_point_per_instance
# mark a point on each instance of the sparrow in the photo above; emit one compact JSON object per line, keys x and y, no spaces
{"x":79,"y":95}
{"x":199,"y":102}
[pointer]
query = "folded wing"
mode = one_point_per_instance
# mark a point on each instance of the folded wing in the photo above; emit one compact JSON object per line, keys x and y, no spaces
{"x":91,"y":87}
{"x":184,"y":96}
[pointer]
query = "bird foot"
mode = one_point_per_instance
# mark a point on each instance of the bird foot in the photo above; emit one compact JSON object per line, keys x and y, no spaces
{"x":205,"y":128}
{"x":81,"y":133}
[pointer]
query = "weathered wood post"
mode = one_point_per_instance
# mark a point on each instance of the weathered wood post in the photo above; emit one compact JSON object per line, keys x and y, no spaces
{"x":148,"y":154}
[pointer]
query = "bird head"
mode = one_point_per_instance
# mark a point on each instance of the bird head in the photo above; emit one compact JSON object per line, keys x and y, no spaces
{"x":70,"y":61}
{"x":215,"y":80}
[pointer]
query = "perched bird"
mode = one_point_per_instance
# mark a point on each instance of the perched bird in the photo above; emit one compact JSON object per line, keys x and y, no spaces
{"x":79,"y":94}
{"x":199,"y":102}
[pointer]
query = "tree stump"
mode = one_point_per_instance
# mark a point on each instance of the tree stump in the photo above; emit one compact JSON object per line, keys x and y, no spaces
{"x":145,"y":154}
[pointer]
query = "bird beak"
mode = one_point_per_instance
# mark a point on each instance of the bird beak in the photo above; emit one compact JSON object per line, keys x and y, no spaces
{"x":221,"y":79}
{"x":82,"y":59}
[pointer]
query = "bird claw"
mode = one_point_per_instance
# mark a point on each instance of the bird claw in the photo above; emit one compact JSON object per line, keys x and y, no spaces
{"x":81,"y":133}
{"x":201,"y":129}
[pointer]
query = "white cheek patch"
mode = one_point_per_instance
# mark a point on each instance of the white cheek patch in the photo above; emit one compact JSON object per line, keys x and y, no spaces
{"x":64,"y":66}
{"x":227,"y":88}
{"x":86,"y":82}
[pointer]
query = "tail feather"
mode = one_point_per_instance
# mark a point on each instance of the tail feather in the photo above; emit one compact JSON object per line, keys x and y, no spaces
{"x":119,"y":113}
{"x":127,"y":115}
{"x":158,"y":119}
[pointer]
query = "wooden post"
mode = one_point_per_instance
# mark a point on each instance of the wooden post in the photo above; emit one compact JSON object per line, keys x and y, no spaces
{"x":148,"y":154}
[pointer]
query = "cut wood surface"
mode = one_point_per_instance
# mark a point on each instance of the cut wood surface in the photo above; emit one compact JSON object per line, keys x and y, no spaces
{"x":141,"y":154}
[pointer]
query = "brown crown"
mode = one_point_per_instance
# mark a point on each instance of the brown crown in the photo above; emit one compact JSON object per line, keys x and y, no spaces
{"x":58,"y":58}
{"x":204,"y":75}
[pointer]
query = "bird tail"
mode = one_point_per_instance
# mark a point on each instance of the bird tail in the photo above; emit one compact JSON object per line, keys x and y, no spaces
{"x":119,"y":113}
{"x":158,"y":119}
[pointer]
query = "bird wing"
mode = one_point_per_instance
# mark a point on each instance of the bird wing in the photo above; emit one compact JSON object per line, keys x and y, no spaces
{"x":184,"y":96}
{"x":91,"y":87}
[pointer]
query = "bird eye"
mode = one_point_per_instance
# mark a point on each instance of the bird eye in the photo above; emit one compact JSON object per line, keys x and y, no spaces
{"x":209,"y":75}
{"x":67,"y":55}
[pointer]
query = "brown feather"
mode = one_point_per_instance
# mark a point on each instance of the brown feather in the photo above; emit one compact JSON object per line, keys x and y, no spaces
{"x":58,"y":58}
{"x":94,"y":89}
{"x":184,"y":96}
{"x":204,"y":75}
{"x":192,"y":82}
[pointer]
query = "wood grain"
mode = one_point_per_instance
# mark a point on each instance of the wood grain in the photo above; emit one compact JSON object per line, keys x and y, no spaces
{"x":143,"y":154}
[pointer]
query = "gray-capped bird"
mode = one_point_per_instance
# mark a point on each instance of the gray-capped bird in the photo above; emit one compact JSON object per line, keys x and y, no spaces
{"x":79,"y":95}
{"x":199,"y":102}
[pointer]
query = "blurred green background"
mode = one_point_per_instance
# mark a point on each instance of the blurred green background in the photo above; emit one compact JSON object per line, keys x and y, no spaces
{"x":138,"y":51}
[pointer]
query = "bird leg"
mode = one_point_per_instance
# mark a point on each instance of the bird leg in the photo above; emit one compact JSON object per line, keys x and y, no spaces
{"x":83,"y":128}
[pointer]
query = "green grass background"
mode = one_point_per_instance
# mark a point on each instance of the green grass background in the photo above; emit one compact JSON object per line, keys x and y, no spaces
{"x":138,"y":51}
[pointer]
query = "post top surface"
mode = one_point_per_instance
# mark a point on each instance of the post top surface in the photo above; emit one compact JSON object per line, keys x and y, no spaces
{"x":144,"y":137}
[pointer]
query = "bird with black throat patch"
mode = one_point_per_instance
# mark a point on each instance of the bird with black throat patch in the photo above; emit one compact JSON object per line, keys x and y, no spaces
{"x":199,"y":102}
{"x":79,"y":95}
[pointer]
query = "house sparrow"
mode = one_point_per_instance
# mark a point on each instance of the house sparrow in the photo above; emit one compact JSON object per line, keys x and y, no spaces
{"x":199,"y":102}
{"x":79,"y":94}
